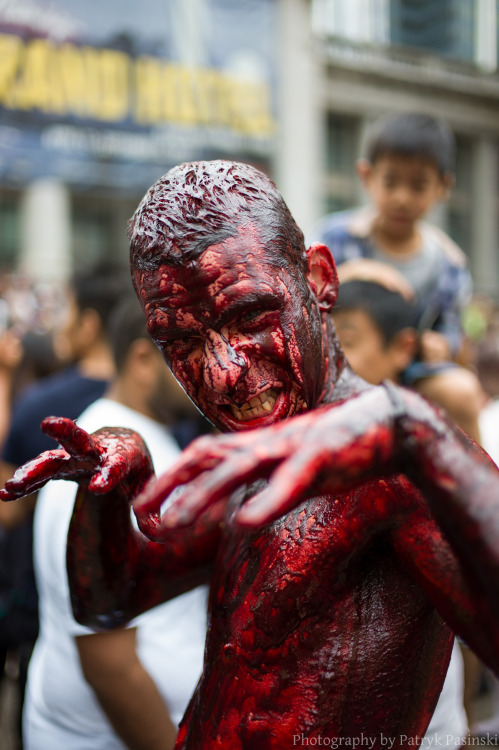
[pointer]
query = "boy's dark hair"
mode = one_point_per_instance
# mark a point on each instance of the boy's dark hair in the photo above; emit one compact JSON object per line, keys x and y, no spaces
{"x":127,"y":324}
{"x":412,"y":134}
{"x":100,"y":287}
{"x":389,"y":311}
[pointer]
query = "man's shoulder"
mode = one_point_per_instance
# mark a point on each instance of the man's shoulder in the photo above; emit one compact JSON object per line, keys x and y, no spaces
{"x":61,"y":390}
{"x":64,"y":394}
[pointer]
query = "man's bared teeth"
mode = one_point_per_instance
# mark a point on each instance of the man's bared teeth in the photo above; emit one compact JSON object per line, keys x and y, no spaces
{"x":257,"y":406}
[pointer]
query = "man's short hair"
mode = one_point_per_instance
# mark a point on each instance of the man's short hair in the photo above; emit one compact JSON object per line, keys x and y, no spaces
{"x":199,"y":204}
{"x":412,"y":135}
{"x":100,"y":287}
{"x":126,"y":324}
{"x":388,"y":310}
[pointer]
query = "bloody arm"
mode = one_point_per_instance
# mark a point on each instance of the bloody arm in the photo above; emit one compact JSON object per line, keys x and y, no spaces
{"x":379,"y":433}
{"x":113,"y":569}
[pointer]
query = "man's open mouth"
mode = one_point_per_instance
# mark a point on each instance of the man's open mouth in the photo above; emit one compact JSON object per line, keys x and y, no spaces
{"x":256,"y":407}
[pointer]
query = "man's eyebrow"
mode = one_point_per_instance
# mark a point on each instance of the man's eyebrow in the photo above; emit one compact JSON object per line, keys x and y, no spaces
{"x":251,"y":301}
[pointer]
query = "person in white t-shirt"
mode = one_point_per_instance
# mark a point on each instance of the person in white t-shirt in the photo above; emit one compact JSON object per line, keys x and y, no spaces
{"x":126,"y":688}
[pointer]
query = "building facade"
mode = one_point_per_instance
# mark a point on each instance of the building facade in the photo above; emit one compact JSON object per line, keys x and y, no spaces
{"x":98,"y":100}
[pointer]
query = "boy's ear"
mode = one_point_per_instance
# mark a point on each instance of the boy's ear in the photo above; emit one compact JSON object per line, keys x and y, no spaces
{"x":322,"y":275}
{"x":363,"y":167}
{"x":448,"y":181}
{"x":403,"y":348}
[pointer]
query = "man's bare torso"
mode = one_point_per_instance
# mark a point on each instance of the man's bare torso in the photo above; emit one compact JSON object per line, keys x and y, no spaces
{"x":318,"y":631}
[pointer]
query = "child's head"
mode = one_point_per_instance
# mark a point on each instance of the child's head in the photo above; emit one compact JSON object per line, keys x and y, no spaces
{"x":407,"y":169}
{"x":412,"y":135}
{"x":376,"y":330}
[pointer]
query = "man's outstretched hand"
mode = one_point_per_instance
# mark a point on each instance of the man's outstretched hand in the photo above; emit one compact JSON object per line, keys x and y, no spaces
{"x":322,"y":450}
{"x":106,"y":458}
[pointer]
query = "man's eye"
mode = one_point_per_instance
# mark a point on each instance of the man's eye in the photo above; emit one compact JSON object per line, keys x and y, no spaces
{"x":178,"y":345}
{"x":257,"y":318}
{"x":251,"y":315}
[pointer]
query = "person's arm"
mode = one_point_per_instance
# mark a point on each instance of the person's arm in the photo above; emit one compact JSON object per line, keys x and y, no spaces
{"x":10,"y":356}
{"x":454,"y":292}
{"x":13,"y":514}
{"x":383,"y":432}
{"x":125,"y":690}
{"x":115,"y":573}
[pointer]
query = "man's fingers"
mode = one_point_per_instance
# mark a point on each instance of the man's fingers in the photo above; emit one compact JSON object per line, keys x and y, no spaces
{"x":33,"y":475}
{"x":191,"y":464}
{"x":114,"y":469}
{"x":288,"y":486}
{"x":215,"y":485}
{"x":74,"y":439}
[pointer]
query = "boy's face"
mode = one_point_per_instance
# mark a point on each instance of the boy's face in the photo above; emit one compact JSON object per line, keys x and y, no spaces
{"x":365,"y":349}
{"x":403,"y":189}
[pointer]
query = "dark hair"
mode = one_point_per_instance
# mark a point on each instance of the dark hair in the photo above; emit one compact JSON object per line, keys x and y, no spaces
{"x":389,"y":311}
{"x":412,"y":134}
{"x":199,"y":204}
{"x":126,"y":324}
{"x":100,"y":287}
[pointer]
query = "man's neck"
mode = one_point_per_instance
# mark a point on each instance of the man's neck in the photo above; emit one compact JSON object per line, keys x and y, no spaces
{"x":97,"y":364}
{"x":132,"y":398}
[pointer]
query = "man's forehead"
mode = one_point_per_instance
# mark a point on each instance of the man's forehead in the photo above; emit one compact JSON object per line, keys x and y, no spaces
{"x":212,"y":276}
{"x":218,"y":292}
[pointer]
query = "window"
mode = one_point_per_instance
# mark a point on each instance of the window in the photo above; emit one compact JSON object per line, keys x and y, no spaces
{"x":9,"y":229}
{"x":99,"y":229}
{"x":355,"y":20}
{"x":342,"y":143}
{"x":446,"y":27}
{"x":459,"y":209}
{"x":342,"y":150}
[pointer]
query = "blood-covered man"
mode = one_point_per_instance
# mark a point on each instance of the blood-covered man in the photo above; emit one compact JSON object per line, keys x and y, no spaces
{"x":348,"y":530}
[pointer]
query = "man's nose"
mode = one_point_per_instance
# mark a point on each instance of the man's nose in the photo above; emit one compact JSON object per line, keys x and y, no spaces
{"x":224,"y":364}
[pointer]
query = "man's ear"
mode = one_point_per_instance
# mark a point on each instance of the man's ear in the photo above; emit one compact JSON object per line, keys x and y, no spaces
{"x":140,"y":361}
{"x":90,"y":328}
{"x":448,"y":181}
{"x":322,"y":275}
{"x":363,"y":168}
{"x":404,"y":347}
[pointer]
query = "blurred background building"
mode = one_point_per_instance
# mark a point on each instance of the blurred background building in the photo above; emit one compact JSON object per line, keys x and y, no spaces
{"x":97,"y":100}
{"x":345,"y":62}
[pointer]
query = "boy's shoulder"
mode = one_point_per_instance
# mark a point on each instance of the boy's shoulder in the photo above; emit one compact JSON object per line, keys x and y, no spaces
{"x":451,"y":252}
{"x":353,"y":222}
{"x":348,"y":232}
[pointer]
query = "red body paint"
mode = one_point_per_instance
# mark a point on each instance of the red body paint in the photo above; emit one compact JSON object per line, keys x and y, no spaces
{"x":339,"y":536}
